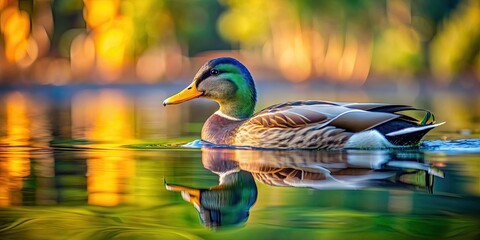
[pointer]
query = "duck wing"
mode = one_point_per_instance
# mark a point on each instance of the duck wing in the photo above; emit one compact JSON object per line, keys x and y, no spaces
{"x":328,"y":125}
{"x":428,"y":118}
{"x":347,"y":116}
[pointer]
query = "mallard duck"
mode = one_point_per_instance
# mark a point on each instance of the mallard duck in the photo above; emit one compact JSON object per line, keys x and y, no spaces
{"x":297,"y":124}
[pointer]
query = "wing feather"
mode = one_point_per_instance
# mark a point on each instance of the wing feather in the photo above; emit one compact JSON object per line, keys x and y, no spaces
{"x":351,"y":117}
{"x":398,"y":109}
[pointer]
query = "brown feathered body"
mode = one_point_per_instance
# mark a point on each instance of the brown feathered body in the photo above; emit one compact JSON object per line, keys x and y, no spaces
{"x":318,"y":125}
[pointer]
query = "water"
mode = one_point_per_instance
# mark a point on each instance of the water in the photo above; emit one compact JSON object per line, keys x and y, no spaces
{"x":111,"y":163}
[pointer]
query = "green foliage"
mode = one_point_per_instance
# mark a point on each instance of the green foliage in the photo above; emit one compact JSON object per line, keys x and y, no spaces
{"x":403,"y":37}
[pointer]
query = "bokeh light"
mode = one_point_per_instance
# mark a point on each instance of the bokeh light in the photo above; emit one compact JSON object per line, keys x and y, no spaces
{"x":149,"y":41}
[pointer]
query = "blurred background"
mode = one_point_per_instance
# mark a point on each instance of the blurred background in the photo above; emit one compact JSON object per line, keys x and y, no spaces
{"x":352,"y":42}
{"x":100,"y":69}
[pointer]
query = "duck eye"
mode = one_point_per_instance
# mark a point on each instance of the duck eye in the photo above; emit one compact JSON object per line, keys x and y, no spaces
{"x":214,"y":72}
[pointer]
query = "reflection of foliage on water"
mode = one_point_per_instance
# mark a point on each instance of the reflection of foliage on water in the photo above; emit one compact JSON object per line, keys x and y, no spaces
{"x":50,"y":192}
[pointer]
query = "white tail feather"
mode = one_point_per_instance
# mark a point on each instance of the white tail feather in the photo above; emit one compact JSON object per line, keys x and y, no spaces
{"x":412,"y":129}
{"x":371,"y":139}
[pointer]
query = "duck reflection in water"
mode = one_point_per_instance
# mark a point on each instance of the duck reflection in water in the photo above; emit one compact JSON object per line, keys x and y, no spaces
{"x":354,"y":169}
{"x":229,"y":202}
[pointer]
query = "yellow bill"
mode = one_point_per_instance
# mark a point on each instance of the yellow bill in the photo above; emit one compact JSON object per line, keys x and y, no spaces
{"x":186,"y":94}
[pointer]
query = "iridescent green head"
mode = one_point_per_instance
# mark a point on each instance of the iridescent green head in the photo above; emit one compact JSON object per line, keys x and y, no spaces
{"x":226,"y":81}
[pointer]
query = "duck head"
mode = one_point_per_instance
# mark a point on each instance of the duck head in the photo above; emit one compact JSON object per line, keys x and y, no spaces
{"x":225,"y":81}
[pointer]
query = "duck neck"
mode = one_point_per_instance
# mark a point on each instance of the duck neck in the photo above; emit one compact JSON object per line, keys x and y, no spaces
{"x":242,"y":97}
{"x":237,"y":109}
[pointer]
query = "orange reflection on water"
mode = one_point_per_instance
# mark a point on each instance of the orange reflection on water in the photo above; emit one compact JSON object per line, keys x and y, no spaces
{"x":106,"y":115}
{"x":17,"y":120}
{"x":109,"y":173}
{"x":14,"y":165}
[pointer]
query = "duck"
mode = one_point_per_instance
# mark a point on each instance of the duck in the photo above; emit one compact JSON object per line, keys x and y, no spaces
{"x":302,"y":124}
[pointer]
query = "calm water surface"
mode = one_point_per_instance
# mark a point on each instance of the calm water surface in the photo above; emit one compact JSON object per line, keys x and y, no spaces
{"x":110,"y":163}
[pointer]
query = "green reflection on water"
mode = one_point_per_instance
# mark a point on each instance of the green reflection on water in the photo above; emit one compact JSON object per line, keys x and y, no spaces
{"x":175,"y":222}
{"x":143,"y":209}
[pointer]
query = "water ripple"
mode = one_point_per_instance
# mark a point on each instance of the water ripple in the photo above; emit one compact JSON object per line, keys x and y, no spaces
{"x":160,"y":222}
{"x":452,"y":146}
